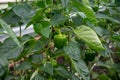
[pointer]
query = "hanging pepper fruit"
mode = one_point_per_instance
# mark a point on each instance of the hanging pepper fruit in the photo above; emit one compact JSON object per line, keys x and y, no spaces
{"x":60,"y":40}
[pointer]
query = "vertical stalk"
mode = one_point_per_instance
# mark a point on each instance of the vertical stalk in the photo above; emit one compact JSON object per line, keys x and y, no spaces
{"x":98,"y":3}
{"x":111,"y":59}
{"x":59,"y":31}
{"x":20,"y":29}
{"x":16,"y":1}
{"x":26,"y":0}
{"x":22,"y":1}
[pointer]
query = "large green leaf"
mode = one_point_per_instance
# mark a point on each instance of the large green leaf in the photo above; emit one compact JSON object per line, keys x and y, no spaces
{"x":3,"y":66}
{"x":103,"y":77}
{"x":73,"y":77}
{"x":11,"y":18}
{"x":62,"y":71}
{"x":78,"y":17}
{"x":29,"y":42}
{"x":101,"y":31}
{"x":89,"y":36}
{"x":73,"y":51}
{"x":86,"y":9}
{"x":64,"y":3}
{"x":36,"y":76}
{"x":2,"y":71}
{"x":3,"y":61}
{"x":116,"y":37}
{"x":9,"y":49}
{"x":37,"y":28}
{"x":116,"y":67}
{"x":24,"y":66}
{"x":106,"y":52}
{"x":40,"y":44}
{"x":23,"y":10}
{"x":65,"y":74}
{"x":46,"y":32}
{"x":82,"y":69}
{"x":42,"y":28}
{"x":48,"y":68}
{"x":7,"y":28}
{"x":117,"y":2}
{"x":41,"y":4}
{"x":86,"y":2}
{"x":58,"y":19}
{"x":36,"y":58}
{"x":103,"y":16}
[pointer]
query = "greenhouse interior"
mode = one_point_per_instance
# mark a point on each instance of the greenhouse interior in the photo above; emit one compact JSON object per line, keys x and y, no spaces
{"x":59,"y":39}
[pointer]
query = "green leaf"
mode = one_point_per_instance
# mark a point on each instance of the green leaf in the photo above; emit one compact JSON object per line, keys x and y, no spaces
{"x":3,"y":66}
{"x":36,"y":58}
{"x":73,"y":51}
{"x":101,"y":31}
{"x":116,"y":67}
{"x":89,"y":36}
{"x":73,"y":77}
{"x":117,"y":2}
{"x":103,"y":16}
{"x":48,"y":68}
{"x":23,"y":10}
{"x":41,"y":4}
{"x":11,"y":18}
{"x":81,"y":14}
{"x":116,"y":37}
{"x":38,"y":77}
{"x":3,"y":61}
{"x":58,"y":19}
{"x":37,"y":18}
{"x":64,"y":3}
{"x":10,"y":50}
{"x":86,"y":2}
{"x":62,"y":71}
{"x":10,"y":77}
{"x":103,"y":77}
{"x":65,"y":74}
{"x":28,"y":41}
{"x":24,"y":66}
{"x":77,"y":20}
{"x":34,"y":74}
{"x":78,"y":17}
{"x":106,"y":52}
{"x":7,"y":28}
{"x":42,"y":28}
{"x":46,"y":32}
{"x":87,"y":10}
{"x":82,"y":69}
{"x":37,"y":27}
{"x":2,"y":71}
{"x":40,"y":44}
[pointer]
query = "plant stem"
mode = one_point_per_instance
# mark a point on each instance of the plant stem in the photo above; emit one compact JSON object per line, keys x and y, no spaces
{"x":20,"y":30}
{"x":16,"y":1}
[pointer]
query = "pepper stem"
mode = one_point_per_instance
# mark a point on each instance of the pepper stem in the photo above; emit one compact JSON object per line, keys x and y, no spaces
{"x":59,"y":31}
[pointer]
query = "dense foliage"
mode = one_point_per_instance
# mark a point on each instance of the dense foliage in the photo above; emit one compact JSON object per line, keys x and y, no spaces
{"x":72,"y":40}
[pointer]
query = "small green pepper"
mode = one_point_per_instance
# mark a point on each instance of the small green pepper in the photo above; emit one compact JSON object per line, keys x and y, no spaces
{"x":60,"y":40}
